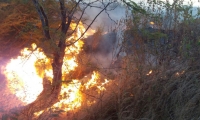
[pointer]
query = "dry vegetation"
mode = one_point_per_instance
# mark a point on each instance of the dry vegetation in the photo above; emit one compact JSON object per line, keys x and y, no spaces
{"x":171,"y":51}
{"x":159,"y":77}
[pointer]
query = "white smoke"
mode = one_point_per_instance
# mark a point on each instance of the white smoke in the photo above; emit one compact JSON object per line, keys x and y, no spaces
{"x":108,"y":18}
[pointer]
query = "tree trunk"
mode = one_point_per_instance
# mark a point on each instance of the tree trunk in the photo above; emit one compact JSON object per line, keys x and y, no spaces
{"x":49,"y":96}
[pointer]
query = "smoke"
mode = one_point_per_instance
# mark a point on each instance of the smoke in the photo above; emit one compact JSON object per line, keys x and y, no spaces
{"x":108,"y":18}
{"x":102,"y":52}
{"x":108,"y":21}
{"x":103,"y":49}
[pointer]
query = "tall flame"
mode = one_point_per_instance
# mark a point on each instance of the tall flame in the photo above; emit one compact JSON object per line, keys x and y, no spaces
{"x":25,"y":74}
{"x":23,"y":80}
{"x":70,"y":96}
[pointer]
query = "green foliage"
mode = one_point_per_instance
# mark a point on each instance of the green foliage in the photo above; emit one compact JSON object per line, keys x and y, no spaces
{"x":136,"y":8}
{"x":153,"y":35}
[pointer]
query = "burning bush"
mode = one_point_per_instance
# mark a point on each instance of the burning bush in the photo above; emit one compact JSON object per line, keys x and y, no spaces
{"x":156,"y":76}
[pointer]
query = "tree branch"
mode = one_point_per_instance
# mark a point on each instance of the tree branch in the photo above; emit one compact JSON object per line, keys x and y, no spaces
{"x":79,"y":20}
{"x":89,"y":25}
{"x":63,"y":16}
{"x":43,"y":18}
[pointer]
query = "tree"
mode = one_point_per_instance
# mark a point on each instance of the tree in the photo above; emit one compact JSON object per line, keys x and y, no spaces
{"x":18,"y":23}
{"x":69,"y":11}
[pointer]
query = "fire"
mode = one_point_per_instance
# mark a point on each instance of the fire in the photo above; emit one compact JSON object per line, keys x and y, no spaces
{"x":25,"y":75}
{"x":101,"y":87}
{"x":23,"y":80}
{"x":93,"y":80}
{"x":69,"y":64}
{"x":149,"y":73}
{"x":70,"y":96}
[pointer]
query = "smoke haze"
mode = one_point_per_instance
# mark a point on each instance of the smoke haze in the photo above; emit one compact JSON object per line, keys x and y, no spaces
{"x":106,"y":19}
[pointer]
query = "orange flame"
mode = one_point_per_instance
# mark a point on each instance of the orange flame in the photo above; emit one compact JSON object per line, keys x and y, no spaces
{"x":93,"y":81}
{"x":70,"y":96}
{"x":23,"y":80}
{"x":149,"y":73}
{"x":25,"y":75}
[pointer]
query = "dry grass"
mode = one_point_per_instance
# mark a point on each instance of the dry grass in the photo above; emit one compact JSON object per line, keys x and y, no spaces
{"x":170,"y":92}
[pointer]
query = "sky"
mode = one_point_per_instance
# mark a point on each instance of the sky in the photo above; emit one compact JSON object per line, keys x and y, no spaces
{"x":118,"y":13}
{"x":196,"y":3}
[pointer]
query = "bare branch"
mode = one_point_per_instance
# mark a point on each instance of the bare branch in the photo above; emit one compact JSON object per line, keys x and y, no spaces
{"x":79,"y":20}
{"x":75,"y":7}
{"x":109,"y":14}
{"x":63,"y":16}
{"x":43,"y":18}
{"x":89,"y":25}
{"x":110,"y":17}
